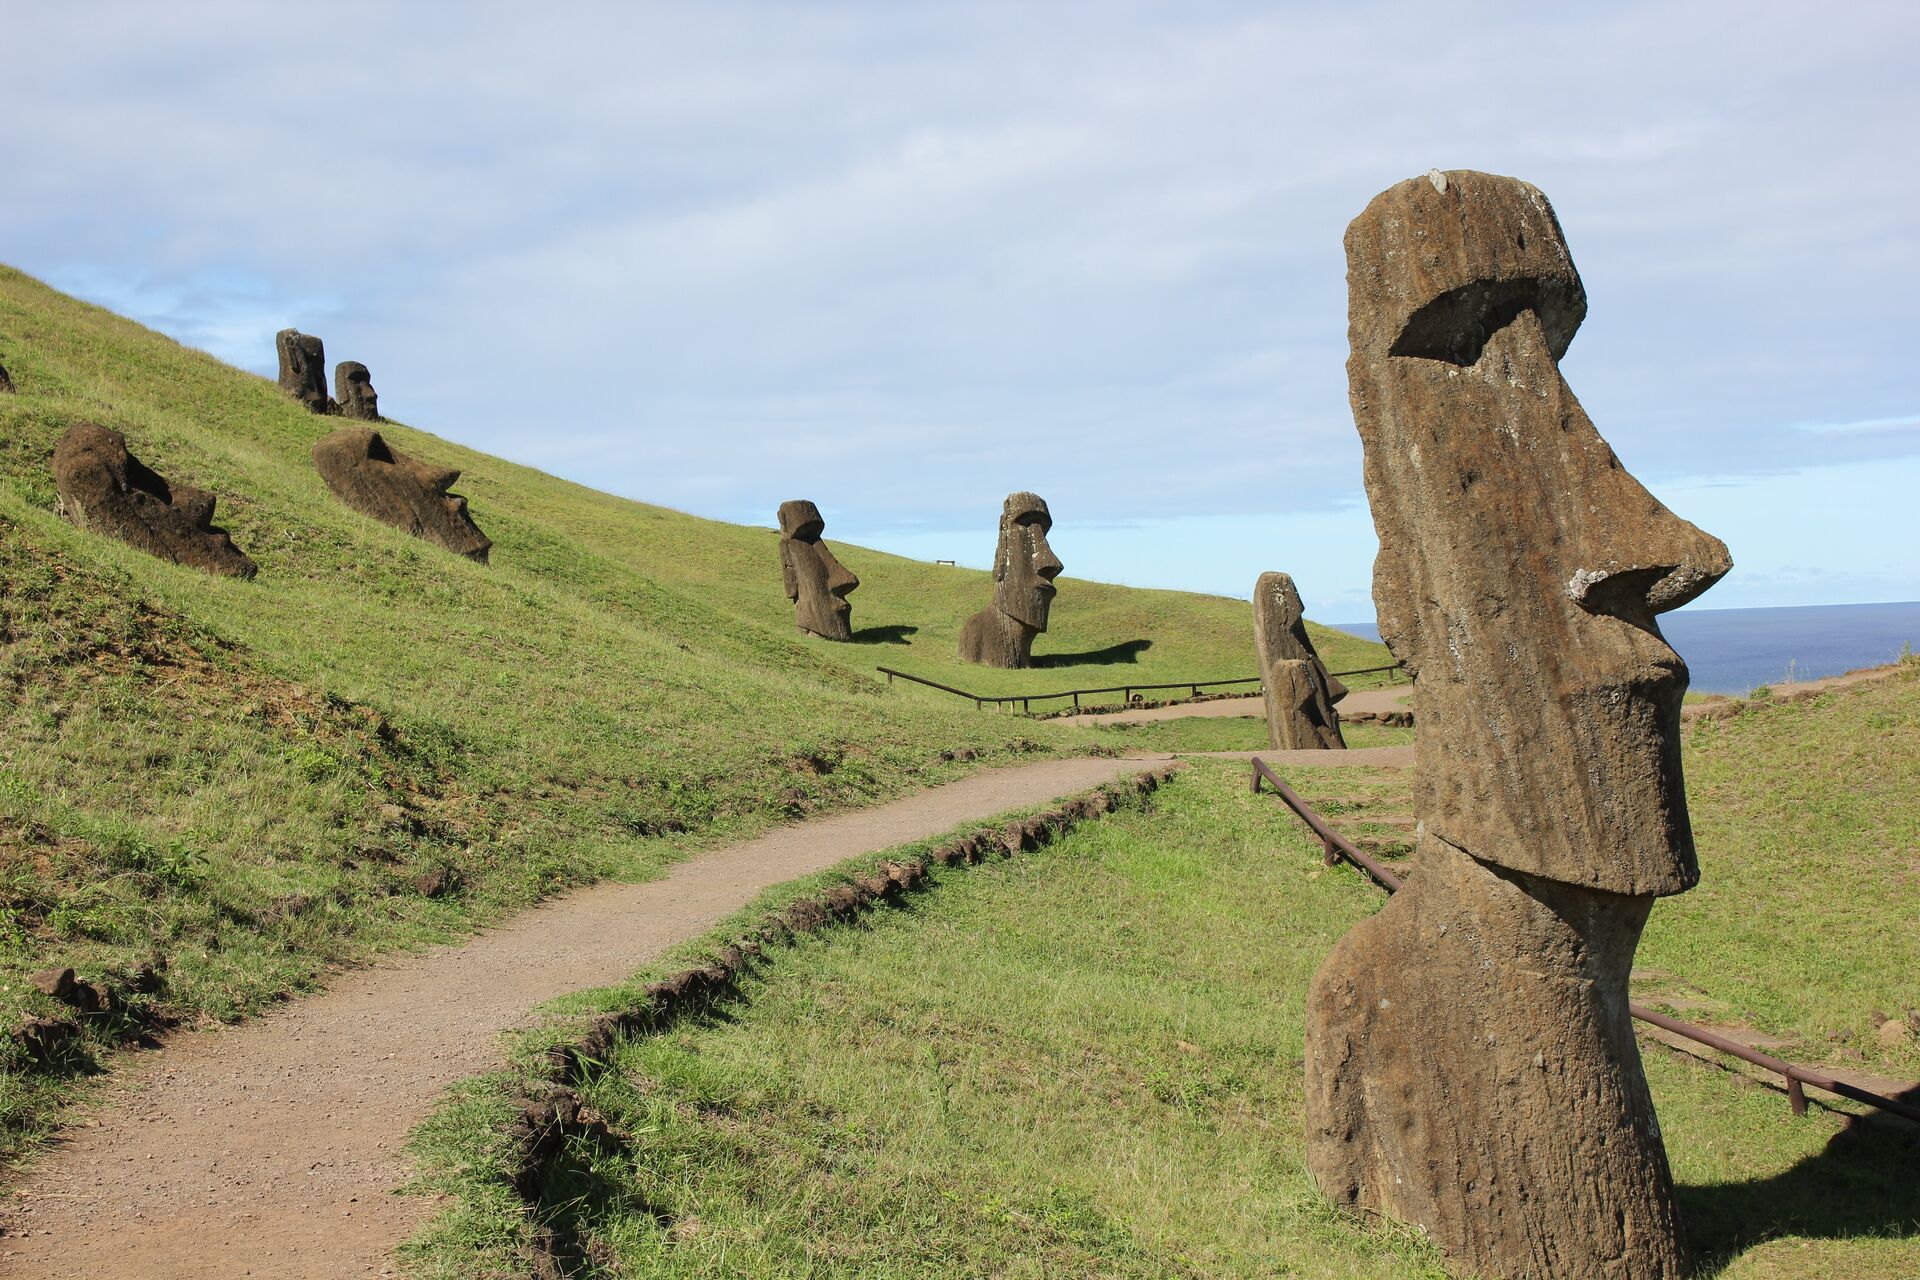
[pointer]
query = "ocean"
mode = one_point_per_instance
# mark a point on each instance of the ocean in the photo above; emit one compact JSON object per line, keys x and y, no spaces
{"x":1736,"y":650}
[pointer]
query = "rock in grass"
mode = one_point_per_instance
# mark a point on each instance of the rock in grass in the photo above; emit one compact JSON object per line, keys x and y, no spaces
{"x":377,"y":480}
{"x":106,"y":490}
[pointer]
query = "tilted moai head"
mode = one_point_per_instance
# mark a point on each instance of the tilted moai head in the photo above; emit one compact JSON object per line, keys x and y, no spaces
{"x":1280,"y":627}
{"x":1299,"y":692}
{"x":1520,"y":565}
{"x":303,"y":369}
{"x":353,"y":389}
{"x":817,"y":583}
{"x":105,"y":489}
{"x":377,"y":480}
{"x":1024,"y":566}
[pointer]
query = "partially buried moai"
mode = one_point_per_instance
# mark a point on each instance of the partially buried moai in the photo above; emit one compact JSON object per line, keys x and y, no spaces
{"x":1300,"y":694}
{"x":817,"y":583}
{"x":377,"y":480}
{"x":1024,"y":568}
{"x":353,"y":390}
{"x":1471,"y":1066}
{"x":106,"y":490}
{"x":303,"y":369}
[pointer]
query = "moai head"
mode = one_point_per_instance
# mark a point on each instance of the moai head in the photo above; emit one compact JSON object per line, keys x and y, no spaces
{"x":303,"y":369}
{"x":817,"y":583}
{"x":377,"y":480}
{"x":1521,"y":567}
{"x":353,"y":388}
{"x":1024,"y":566}
{"x":105,"y":489}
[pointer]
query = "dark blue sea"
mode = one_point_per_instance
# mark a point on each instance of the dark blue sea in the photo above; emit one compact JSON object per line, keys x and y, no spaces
{"x":1736,"y":650}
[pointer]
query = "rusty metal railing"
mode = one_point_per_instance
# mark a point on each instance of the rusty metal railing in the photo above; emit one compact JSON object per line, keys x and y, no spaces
{"x":1796,"y":1076}
{"x":1126,"y":691}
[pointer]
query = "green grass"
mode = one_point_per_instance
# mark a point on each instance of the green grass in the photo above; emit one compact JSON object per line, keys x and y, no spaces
{"x":245,"y":779}
{"x":1233,"y":733}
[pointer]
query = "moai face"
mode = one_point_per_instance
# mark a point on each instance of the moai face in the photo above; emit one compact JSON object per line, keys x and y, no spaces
{"x":1024,"y":566}
{"x":303,"y":369}
{"x":1521,"y":567}
{"x":353,"y":388}
{"x":377,"y":480}
{"x":817,"y":583}
{"x":106,"y":489}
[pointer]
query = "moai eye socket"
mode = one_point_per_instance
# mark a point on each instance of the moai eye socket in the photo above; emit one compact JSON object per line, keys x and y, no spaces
{"x":1456,"y":326}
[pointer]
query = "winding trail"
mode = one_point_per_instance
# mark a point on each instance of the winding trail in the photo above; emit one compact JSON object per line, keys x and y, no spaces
{"x":273,"y":1148}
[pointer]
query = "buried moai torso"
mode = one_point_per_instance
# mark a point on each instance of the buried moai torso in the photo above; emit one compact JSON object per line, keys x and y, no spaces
{"x":377,"y":480}
{"x":303,"y":369}
{"x":817,"y":583}
{"x":1471,"y":1066}
{"x":1024,"y":568}
{"x":1299,"y":695}
{"x":353,"y":389}
{"x":105,"y":489}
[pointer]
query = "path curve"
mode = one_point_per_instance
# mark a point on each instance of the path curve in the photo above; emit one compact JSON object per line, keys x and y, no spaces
{"x":272,"y":1148}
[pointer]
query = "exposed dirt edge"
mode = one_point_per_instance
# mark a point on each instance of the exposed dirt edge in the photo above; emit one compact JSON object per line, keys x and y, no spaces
{"x":1724,"y":708}
{"x":550,"y":1109}
{"x":1137,"y":704}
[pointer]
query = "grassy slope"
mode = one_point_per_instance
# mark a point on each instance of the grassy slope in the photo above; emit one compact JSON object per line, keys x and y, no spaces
{"x":245,"y":778}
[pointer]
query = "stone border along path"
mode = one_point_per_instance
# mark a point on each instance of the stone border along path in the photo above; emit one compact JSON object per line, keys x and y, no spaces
{"x":272,"y":1148}
{"x":1358,"y":702}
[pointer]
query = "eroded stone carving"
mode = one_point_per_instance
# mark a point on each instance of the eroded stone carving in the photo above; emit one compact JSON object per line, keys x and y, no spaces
{"x":353,"y":390}
{"x":105,"y":489}
{"x":1024,"y":568}
{"x":817,"y":583}
{"x":1471,"y":1065}
{"x":1300,"y":703}
{"x":377,"y":480}
{"x":303,"y":369}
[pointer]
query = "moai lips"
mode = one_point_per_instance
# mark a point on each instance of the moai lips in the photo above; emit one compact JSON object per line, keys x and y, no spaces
{"x":303,"y":369}
{"x":1024,"y":568}
{"x":1300,"y":701}
{"x":377,"y":480}
{"x":105,"y":489}
{"x":1471,"y":1066}
{"x":817,"y":583}
{"x":353,"y":389}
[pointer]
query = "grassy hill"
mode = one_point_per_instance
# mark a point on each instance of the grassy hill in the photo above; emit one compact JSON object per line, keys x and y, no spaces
{"x":376,"y":742}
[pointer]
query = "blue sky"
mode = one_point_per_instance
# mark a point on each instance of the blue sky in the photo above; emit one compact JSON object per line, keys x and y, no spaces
{"x":904,"y":259}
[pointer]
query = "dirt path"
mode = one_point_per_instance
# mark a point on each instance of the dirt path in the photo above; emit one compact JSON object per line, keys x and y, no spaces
{"x":273,"y":1148}
{"x":1353,"y":758}
{"x":1357,"y":702}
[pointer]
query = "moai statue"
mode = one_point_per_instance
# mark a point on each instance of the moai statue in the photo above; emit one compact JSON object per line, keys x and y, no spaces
{"x":1300,"y":699}
{"x":107,"y":490}
{"x":353,"y":390}
{"x":1471,"y":1066}
{"x":817,"y":583}
{"x":1024,"y":568}
{"x":377,"y":480}
{"x":303,"y":369}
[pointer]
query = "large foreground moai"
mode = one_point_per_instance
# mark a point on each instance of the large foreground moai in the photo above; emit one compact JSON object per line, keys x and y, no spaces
{"x":107,"y":490}
{"x":1024,"y":568}
{"x":303,"y":369}
{"x":817,"y":583}
{"x":353,"y":390}
{"x":1471,"y":1065}
{"x":1299,"y":692}
{"x":377,"y":480}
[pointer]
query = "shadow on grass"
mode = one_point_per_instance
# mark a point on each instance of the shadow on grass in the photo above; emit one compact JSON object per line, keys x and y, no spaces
{"x":1125,"y":651}
{"x":1861,"y":1185}
{"x":896,"y":634}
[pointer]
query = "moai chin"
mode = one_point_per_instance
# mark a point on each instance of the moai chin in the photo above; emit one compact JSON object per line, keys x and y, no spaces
{"x":817,"y":583}
{"x":303,"y":369}
{"x":1471,"y":1066}
{"x":106,"y":490}
{"x":1300,"y":699}
{"x":377,"y":480}
{"x":353,"y":389}
{"x":1024,"y":568}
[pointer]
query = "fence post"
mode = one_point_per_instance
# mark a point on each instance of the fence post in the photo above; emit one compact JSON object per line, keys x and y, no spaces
{"x":1796,"y":1096}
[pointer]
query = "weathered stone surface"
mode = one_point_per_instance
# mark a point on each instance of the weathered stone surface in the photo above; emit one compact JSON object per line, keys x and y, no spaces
{"x":377,"y":480}
{"x":108,"y":491}
{"x":1024,"y":568}
{"x":1303,"y":716}
{"x":1471,"y":1062}
{"x":817,"y":583}
{"x":353,"y":389}
{"x":303,"y":369}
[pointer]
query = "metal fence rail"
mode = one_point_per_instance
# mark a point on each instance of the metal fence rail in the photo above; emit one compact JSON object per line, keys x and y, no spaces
{"x":1126,"y":691}
{"x":1338,"y":847}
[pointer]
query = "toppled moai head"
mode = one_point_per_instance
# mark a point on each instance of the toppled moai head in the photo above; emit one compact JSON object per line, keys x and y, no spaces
{"x":1280,"y":628}
{"x":1024,"y":566}
{"x":105,"y":489}
{"x":1521,"y":567}
{"x":303,"y":369}
{"x":817,"y":583}
{"x":353,"y":389}
{"x":377,"y":480}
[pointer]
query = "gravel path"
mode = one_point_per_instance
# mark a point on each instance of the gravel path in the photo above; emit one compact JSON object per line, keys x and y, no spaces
{"x":272,"y":1148}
